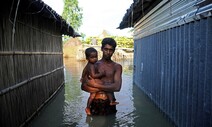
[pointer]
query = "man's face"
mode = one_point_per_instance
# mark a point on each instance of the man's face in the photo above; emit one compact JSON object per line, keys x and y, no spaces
{"x":108,"y":51}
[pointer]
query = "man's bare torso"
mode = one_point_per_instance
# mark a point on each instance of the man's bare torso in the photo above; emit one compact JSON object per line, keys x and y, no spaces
{"x":108,"y":68}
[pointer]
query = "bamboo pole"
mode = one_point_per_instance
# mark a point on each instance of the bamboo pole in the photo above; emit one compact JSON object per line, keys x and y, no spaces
{"x":28,"y":53}
{"x":13,"y":87}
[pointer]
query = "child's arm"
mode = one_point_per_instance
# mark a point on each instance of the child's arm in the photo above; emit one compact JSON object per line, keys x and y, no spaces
{"x":95,"y":75}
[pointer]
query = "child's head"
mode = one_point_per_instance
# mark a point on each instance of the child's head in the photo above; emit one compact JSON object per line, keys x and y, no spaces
{"x":91,"y":55}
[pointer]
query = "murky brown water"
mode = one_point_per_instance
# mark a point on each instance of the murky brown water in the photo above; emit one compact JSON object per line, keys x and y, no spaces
{"x":67,"y":108}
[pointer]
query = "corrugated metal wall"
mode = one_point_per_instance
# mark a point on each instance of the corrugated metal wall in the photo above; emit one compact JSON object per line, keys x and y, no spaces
{"x":174,"y":68}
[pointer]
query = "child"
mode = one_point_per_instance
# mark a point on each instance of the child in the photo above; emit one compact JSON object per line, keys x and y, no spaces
{"x":89,"y":70}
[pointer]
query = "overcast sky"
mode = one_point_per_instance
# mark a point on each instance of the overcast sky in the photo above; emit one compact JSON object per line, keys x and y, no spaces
{"x":98,"y":15}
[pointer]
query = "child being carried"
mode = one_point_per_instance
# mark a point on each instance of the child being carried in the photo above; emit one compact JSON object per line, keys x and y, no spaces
{"x":89,"y":70}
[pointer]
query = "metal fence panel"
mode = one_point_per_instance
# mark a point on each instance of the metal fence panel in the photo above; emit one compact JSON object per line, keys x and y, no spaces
{"x":174,"y":68}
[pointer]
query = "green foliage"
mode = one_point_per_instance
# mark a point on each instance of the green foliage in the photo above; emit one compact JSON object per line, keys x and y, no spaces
{"x":122,"y":41}
{"x":88,"y":40}
{"x":125,"y":42}
{"x":72,"y":13}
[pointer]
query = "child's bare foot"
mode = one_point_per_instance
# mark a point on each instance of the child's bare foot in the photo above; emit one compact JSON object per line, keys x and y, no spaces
{"x":114,"y":103}
{"x":88,"y":111}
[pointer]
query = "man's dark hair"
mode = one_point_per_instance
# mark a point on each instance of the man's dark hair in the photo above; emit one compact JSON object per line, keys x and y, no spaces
{"x":109,"y":41}
{"x":89,"y":50}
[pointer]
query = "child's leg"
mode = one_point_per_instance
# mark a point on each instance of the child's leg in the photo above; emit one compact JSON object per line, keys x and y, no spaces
{"x":90,"y":99}
{"x":110,"y":97}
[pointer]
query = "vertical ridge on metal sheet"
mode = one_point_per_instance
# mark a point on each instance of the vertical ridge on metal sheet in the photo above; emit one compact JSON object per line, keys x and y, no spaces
{"x":173,"y":68}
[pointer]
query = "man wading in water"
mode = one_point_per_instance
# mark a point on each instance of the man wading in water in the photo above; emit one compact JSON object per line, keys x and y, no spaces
{"x":111,"y":82}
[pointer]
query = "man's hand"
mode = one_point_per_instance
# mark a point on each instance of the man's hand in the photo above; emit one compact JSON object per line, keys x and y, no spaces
{"x":89,"y":89}
{"x":90,"y":81}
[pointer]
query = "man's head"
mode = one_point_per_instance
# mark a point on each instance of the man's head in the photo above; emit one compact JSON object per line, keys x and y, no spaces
{"x":108,"y":47}
{"x":109,"y":41}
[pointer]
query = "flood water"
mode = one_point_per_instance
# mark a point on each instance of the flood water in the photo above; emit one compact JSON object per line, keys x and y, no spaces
{"x":67,"y":108}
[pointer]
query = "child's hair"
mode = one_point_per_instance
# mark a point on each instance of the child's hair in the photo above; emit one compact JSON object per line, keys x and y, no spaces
{"x":89,"y":50}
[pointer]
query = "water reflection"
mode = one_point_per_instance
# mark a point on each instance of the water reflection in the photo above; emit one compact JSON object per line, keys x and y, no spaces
{"x":67,"y":109}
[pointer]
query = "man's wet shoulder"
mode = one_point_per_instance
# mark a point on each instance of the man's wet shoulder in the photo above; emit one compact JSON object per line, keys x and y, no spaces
{"x":98,"y":62}
{"x":117,"y":64}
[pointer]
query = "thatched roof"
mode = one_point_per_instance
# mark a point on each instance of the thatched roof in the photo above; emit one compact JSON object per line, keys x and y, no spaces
{"x":72,"y":42}
{"x":38,"y":7}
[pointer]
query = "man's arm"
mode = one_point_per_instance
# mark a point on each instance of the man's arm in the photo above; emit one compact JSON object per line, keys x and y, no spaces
{"x":89,"y":89}
{"x":113,"y":87}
